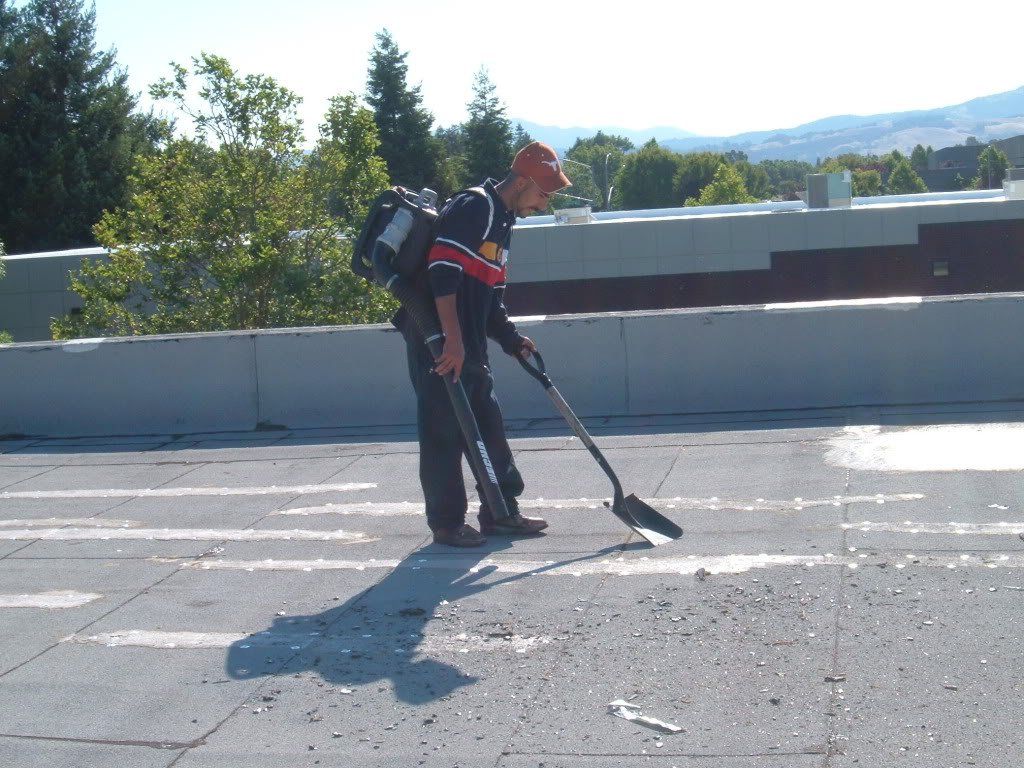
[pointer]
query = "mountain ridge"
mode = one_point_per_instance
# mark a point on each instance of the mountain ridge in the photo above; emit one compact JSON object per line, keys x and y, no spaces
{"x":987,"y":118}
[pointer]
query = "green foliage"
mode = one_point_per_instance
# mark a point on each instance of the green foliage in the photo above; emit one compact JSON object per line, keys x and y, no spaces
{"x":67,"y":128}
{"x":453,"y":170}
{"x":605,"y":141}
{"x":695,"y":170}
{"x":868,"y":171}
{"x":867,"y":183}
{"x":903,"y":180}
{"x":787,"y":177}
{"x":488,"y":134}
{"x":919,"y":158}
{"x":755,"y":179}
{"x":236,"y":226}
{"x":603,"y":155}
{"x":891,"y":160}
{"x":414,"y":158}
{"x":645,"y":178}
{"x":959,"y":182}
{"x":726,"y":188}
{"x":992,"y":165}
{"x":520,"y":138}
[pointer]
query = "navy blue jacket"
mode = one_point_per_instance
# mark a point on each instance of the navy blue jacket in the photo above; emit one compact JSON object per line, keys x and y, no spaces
{"x":469,"y":258}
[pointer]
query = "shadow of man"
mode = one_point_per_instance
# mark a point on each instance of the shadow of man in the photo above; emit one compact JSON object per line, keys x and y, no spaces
{"x":378,"y":635}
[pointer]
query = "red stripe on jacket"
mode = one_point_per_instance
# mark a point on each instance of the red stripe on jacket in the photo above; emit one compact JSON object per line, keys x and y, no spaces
{"x":474,"y":267}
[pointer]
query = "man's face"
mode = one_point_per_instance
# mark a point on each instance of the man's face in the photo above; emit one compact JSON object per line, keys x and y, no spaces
{"x":531,"y":199}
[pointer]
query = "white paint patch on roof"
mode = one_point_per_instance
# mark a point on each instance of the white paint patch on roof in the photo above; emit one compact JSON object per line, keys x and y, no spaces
{"x":956,"y":529}
{"x":108,"y":493}
{"x":178,"y":534}
{"x":463,"y":642}
{"x":668,"y":503}
{"x":940,"y":448}
{"x":54,"y":598}
{"x":622,"y":566}
{"x":51,"y":522}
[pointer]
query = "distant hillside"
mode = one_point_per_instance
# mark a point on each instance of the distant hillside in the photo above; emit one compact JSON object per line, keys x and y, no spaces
{"x":987,"y":118}
{"x":563,"y":138}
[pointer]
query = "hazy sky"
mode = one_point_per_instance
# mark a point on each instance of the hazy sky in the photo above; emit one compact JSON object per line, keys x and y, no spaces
{"x":716,"y":68}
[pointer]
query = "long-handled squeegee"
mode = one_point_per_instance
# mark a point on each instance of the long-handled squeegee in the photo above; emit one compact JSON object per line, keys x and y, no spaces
{"x":642,"y":518}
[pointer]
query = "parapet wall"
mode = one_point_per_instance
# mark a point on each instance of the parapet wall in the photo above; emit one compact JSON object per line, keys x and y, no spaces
{"x":752,"y":358}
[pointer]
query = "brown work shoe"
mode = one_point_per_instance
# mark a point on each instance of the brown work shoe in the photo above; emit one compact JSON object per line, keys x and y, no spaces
{"x":514,"y":525}
{"x":466,"y":536}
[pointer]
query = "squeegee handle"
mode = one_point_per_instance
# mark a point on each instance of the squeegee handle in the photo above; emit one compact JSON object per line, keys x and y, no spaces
{"x":539,"y":372}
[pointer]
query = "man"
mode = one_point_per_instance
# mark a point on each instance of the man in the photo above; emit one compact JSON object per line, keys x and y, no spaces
{"x":466,"y":273}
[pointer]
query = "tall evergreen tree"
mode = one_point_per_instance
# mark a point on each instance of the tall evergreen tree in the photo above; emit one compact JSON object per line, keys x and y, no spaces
{"x":992,"y":165}
{"x":919,"y":158}
{"x":520,"y":138}
{"x":904,"y":179}
{"x":413,"y":156}
{"x":489,"y":139}
{"x":68,"y":133}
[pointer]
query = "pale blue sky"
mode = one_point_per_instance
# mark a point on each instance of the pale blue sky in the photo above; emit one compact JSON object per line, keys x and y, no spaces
{"x":715,"y":69}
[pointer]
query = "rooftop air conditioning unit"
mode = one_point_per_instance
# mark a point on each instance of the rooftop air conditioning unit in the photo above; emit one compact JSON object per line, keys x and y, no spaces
{"x":829,"y":190}
{"x":1014,"y":184}
{"x":573,"y":215}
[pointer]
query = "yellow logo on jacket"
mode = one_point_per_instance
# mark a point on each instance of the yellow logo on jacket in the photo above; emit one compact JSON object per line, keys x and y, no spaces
{"x":493,"y":253}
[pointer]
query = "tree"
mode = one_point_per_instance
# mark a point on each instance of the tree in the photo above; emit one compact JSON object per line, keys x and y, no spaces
{"x":787,"y":177}
{"x":959,"y":182}
{"x":694,"y":172}
{"x":992,"y":165}
{"x":726,"y":188}
{"x":488,"y":133}
{"x":867,"y":183}
{"x":602,"y":154}
{"x":68,"y":132}
{"x":755,"y":179}
{"x":606,"y":141}
{"x":520,"y":138}
{"x":453,"y":144}
{"x":645,"y":178}
{"x":903,"y":180}
{"x":414,"y":158}
{"x":236,"y":226}
{"x":972,"y":141}
{"x":919,"y":158}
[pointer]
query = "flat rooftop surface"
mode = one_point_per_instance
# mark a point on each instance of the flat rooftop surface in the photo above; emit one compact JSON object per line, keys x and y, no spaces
{"x":848,"y":592}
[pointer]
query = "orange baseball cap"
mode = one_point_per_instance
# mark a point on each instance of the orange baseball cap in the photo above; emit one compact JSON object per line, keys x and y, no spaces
{"x":540,"y":162}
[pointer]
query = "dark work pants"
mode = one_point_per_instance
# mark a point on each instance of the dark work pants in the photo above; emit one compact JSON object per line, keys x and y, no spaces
{"x":442,"y":443}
